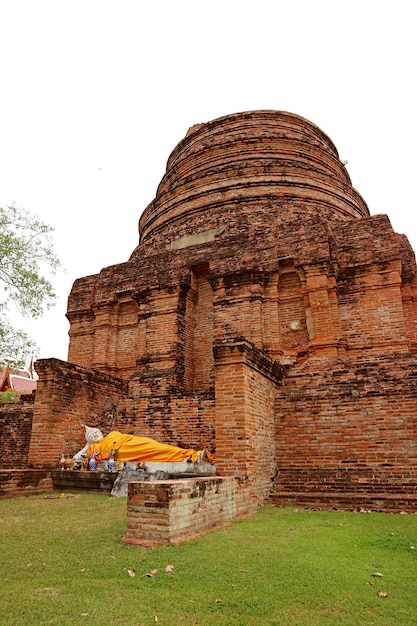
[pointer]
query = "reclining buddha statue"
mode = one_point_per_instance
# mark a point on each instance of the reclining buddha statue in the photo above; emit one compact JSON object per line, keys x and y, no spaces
{"x":134,"y":448}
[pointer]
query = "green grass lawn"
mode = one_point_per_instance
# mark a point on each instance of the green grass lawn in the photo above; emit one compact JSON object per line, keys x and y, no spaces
{"x":63,"y":563}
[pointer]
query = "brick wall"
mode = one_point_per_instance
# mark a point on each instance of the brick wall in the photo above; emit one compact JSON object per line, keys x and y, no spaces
{"x":156,"y":407}
{"x":24,"y":482}
{"x":16,"y":428}
{"x":350,"y":436}
{"x":68,"y":396}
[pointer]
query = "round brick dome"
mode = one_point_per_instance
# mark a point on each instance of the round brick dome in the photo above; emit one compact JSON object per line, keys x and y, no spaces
{"x":242,"y":159}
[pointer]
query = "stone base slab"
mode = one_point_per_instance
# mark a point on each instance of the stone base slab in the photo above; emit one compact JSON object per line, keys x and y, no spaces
{"x":181,"y":469}
{"x":83,"y":481}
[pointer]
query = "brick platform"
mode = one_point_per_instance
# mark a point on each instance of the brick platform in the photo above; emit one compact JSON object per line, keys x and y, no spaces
{"x":83,"y":481}
{"x":169,"y":512}
{"x":24,"y":482}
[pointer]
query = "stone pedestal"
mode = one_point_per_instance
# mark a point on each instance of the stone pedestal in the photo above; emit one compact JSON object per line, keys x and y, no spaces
{"x":83,"y":481}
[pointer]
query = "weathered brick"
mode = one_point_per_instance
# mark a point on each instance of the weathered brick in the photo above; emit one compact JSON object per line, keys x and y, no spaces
{"x":264,"y":314}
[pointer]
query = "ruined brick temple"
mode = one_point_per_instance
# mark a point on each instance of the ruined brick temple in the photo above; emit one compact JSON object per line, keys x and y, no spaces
{"x":264,"y":314}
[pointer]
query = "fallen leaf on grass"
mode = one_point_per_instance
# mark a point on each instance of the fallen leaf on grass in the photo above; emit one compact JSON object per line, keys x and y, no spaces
{"x":169,"y":569}
{"x":219,"y":601}
{"x":84,"y":614}
{"x":56,"y":496}
{"x":245,"y":571}
{"x":377,"y":574}
{"x":131,"y":572}
{"x":52,"y":592}
{"x":151,"y":573}
{"x":156,"y":619}
{"x":382,"y":594}
{"x":82,"y":570}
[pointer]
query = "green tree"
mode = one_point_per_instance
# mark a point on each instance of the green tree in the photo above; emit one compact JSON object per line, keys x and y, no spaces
{"x":25,"y":250}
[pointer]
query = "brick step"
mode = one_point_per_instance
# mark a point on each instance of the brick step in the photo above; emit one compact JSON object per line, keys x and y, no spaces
{"x":366,"y":489}
{"x":384,"y":502}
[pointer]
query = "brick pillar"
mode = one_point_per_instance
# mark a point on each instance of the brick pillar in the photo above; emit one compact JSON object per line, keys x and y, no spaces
{"x":103,"y":328}
{"x":383,"y":304}
{"x":409,"y":302}
{"x":159,"y":315}
{"x":273,"y":337}
{"x":246,"y":381}
{"x":81,"y":335}
{"x":324,"y":328}
{"x":256,"y":300}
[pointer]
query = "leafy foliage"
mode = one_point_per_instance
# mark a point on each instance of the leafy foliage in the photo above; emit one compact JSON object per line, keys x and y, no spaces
{"x":16,"y":347}
{"x":25,"y":245}
{"x":9,"y":396}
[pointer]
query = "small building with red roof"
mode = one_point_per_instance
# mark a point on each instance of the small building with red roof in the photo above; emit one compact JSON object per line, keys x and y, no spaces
{"x":18,"y":381}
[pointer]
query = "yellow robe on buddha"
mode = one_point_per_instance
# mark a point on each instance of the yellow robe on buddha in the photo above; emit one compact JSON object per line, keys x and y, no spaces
{"x":134,"y":448}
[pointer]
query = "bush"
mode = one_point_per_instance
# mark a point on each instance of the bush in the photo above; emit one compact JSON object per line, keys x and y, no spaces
{"x":9,"y":396}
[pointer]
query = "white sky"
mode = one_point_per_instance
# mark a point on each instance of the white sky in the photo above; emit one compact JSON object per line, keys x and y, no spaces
{"x":95,"y":94}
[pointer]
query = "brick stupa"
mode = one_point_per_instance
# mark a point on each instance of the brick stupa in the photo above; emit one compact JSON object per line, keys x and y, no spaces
{"x":264,"y":314}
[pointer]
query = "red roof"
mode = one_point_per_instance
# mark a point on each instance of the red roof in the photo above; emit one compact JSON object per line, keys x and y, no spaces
{"x":19,"y":381}
{"x":22,"y":384}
